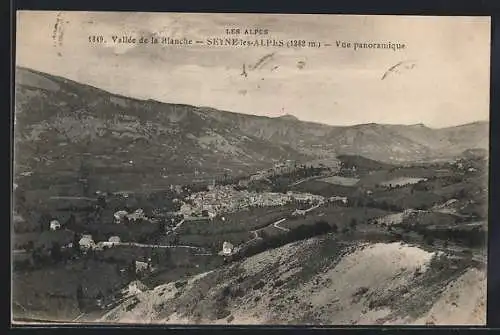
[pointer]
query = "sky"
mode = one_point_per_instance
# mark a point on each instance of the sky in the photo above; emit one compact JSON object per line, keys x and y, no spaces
{"x":444,"y":79}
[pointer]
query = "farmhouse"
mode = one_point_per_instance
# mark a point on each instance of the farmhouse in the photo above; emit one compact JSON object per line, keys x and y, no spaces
{"x":55,"y":225}
{"x":120,"y":216}
{"x":136,"y":216}
{"x":227,"y":248}
{"x":86,"y":242}
{"x":299,"y":212}
{"x":114,"y":239}
{"x":141,"y":266}
{"x":337,"y":199}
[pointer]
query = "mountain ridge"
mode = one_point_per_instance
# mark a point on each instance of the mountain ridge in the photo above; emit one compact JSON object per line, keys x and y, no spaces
{"x":207,"y":108}
{"x":62,"y":124}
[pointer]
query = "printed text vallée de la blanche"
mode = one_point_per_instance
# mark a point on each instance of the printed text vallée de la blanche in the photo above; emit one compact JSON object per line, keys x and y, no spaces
{"x":241,"y":37}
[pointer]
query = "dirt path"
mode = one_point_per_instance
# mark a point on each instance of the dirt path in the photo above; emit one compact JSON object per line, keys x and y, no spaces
{"x":276,"y":225}
{"x":177,"y":226}
{"x":304,"y":180}
{"x":78,"y":317}
{"x":72,"y":198}
{"x":141,"y":245}
{"x":256,"y":235}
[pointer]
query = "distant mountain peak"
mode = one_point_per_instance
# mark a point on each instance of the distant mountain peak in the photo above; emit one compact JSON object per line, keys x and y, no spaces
{"x":288,"y":117}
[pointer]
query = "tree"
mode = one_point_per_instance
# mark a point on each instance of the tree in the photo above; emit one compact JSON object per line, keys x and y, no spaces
{"x":76,"y":243}
{"x":83,"y":175}
{"x":167,"y":256}
{"x":36,"y":256}
{"x":321,"y":227}
{"x":353,"y":224}
{"x":20,"y":199}
{"x":101,"y":201}
{"x":44,"y":221}
{"x":30,"y":246}
{"x":71,"y":221}
{"x":80,"y":296}
{"x":334,"y":228}
{"x":132,"y":270}
{"x":429,"y":240}
{"x":55,"y":252}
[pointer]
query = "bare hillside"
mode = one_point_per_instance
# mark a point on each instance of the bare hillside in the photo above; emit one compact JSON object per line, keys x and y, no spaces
{"x":320,"y":281}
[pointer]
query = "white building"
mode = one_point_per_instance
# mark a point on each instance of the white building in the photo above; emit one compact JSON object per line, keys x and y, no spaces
{"x":55,"y":225}
{"x":137,"y":215}
{"x":86,"y":242}
{"x":119,"y":216}
{"x":227,"y":248}
{"x":114,"y":239}
{"x":102,"y":245}
{"x":141,"y":266}
{"x":338,"y":199}
{"x":211,"y":215}
{"x":299,"y":212}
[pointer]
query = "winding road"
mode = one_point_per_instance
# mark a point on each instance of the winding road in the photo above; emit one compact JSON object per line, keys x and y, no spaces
{"x":276,"y":225}
{"x":141,"y":245}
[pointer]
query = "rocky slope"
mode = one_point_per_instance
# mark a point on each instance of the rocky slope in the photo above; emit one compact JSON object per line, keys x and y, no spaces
{"x":320,"y":281}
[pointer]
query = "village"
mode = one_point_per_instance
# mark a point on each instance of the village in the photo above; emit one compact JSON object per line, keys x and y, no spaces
{"x":190,"y":228}
{"x":226,"y":199}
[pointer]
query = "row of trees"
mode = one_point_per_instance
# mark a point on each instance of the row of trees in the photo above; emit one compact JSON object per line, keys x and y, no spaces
{"x":299,"y":233}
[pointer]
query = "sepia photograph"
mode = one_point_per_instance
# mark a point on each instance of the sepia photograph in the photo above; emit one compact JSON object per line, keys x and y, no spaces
{"x":250,"y":169}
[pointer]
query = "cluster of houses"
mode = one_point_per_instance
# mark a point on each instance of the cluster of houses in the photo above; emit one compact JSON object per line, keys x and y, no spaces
{"x":462,"y":165}
{"x":226,"y":199}
{"x":87,"y":242}
{"x":123,"y":216}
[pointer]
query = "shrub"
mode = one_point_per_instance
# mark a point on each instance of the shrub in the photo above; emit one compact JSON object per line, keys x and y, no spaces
{"x":222,"y":313}
{"x":334,"y":228}
{"x":278,"y":283}
{"x":259,"y":285}
{"x":429,"y":240}
{"x":360,"y":291}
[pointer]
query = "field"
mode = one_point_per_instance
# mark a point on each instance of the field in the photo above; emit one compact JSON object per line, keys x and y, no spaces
{"x":342,"y":181}
{"x":324,"y":189}
{"x":402,"y":181}
{"x":341,"y":217}
{"x":432,"y":218}
{"x":51,"y":291}
{"x":244,"y":220}
{"x":42,"y":240}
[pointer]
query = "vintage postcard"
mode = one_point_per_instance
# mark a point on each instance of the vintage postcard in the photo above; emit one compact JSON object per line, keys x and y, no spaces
{"x":177,"y":168}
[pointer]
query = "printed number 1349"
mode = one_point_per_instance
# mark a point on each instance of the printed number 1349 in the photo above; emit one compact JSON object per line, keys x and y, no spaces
{"x":96,"y":39}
